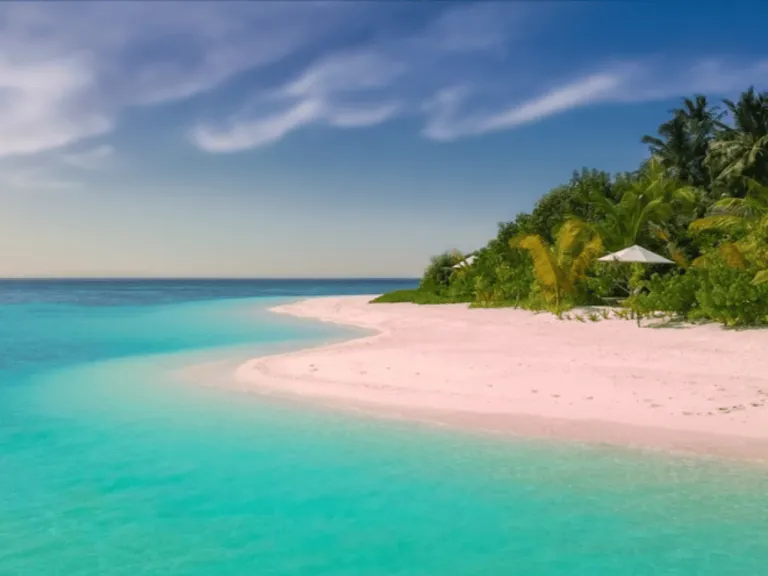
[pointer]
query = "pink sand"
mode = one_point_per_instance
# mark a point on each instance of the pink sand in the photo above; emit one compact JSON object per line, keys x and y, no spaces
{"x":697,"y":388}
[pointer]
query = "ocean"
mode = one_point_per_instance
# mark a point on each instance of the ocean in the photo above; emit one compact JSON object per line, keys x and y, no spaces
{"x":112,"y":462}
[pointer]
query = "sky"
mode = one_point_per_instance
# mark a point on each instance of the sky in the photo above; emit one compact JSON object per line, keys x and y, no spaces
{"x":327,"y":139}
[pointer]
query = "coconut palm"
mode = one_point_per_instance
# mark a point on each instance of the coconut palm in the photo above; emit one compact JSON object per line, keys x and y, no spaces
{"x":741,"y":150}
{"x":649,"y":200}
{"x":683,"y":141}
{"x":671,"y":148}
{"x":559,"y":267}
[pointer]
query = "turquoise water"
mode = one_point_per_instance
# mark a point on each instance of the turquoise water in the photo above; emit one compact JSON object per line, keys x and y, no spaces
{"x":111,"y":464}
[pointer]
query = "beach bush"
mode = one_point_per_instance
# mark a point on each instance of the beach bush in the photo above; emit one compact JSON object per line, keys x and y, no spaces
{"x":729,"y":295}
{"x":505,"y":283}
{"x":437,"y":276}
{"x":718,"y":293}
{"x":461,"y":288}
{"x":416,"y":296}
{"x":674,"y":292}
{"x":571,"y":200}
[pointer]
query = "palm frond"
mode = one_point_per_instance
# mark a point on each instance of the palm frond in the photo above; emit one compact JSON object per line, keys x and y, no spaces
{"x":723,"y":222}
{"x":591,"y":249}
{"x":732,"y":255}
{"x":760,"y":278}
{"x":701,"y":261}
{"x":757,"y":190}
{"x":678,"y":256}
{"x":688,"y":194}
{"x":543,"y":262}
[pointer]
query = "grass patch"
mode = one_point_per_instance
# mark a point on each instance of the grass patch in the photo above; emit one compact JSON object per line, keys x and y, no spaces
{"x":413,"y":297}
{"x":496,"y":304}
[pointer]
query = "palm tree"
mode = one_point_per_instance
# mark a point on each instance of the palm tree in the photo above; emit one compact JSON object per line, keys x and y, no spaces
{"x":671,"y":149}
{"x":649,"y":200}
{"x":559,"y":267}
{"x":703,"y":123}
{"x":741,"y":150}
{"x":684,"y":140}
{"x":745,"y":221}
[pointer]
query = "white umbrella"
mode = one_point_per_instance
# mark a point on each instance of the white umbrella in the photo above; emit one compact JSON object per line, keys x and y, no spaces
{"x":465,"y":263}
{"x":635,"y":254}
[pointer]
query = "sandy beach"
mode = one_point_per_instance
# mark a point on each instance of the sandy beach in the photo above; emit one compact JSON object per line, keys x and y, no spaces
{"x":696,"y":389}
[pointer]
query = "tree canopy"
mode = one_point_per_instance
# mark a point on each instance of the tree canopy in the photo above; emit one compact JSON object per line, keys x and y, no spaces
{"x":700,"y":198}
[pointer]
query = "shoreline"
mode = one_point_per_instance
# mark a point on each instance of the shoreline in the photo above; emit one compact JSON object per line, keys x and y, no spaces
{"x":696,"y":390}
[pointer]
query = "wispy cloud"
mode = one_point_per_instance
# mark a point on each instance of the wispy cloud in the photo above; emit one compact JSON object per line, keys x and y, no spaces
{"x":445,"y":123}
{"x":44,"y":104}
{"x":69,"y":71}
{"x":360,"y":117}
{"x":454,"y":75}
{"x":34,"y":178}
{"x":239,"y":135}
{"x":89,"y":159}
{"x":365,"y":86}
{"x":317,"y":95}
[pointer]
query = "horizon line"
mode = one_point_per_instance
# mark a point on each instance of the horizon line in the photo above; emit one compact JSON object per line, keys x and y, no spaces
{"x":219,"y":278}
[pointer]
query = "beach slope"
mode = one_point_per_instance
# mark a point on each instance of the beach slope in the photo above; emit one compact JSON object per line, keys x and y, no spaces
{"x":691,"y":388}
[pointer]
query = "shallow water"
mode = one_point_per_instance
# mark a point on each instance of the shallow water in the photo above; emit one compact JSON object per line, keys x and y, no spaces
{"x":110,"y":464}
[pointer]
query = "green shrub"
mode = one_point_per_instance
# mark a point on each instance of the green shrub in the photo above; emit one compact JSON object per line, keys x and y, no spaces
{"x":537,"y":301}
{"x":674,"y":292}
{"x":461,"y":287}
{"x":604,"y":281}
{"x":437,"y":276}
{"x":417,"y":296}
{"x":727,"y":295}
{"x":483,"y":289}
{"x":718,"y":293}
{"x":514,"y":280}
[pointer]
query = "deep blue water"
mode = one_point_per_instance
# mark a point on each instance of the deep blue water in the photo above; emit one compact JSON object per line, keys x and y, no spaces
{"x":113,"y":463}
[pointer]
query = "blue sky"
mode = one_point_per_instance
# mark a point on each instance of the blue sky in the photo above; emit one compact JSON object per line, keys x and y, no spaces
{"x":326,"y":139}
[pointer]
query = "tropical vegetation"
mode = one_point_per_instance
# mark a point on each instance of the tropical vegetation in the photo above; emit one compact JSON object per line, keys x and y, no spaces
{"x":700,"y":199}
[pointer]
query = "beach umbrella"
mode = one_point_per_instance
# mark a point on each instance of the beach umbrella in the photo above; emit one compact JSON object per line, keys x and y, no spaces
{"x":635,"y":254}
{"x":465,"y":263}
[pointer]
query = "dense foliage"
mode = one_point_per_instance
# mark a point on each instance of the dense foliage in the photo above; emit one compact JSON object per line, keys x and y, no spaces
{"x":700,"y":199}
{"x":414,"y":296}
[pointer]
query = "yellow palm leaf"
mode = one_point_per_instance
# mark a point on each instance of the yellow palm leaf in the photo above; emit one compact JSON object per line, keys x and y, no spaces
{"x":733,"y":255}
{"x":760,"y":278}
{"x":678,"y":257}
{"x":591,"y":249}
{"x":544,"y":265}
{"x":701,"y":262}
{"x":716,"y":222}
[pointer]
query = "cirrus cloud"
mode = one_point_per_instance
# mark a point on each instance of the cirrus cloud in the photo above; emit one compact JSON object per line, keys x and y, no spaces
{"x":69,"y":71}
{"x":453,"y":76}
